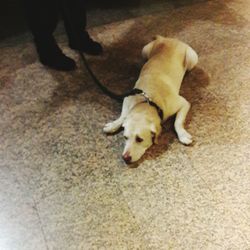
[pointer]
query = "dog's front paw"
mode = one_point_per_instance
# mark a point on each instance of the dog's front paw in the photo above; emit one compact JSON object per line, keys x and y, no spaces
{"x":185,"y":138}
{"x":111,"y":127}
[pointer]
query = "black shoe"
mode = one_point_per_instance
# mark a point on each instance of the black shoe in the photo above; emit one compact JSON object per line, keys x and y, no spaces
{"x":87,"y":45}
{"x":52,"y":56}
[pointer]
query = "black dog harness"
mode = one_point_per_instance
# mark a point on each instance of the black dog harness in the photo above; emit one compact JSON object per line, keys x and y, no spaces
{"x":148,"y":100}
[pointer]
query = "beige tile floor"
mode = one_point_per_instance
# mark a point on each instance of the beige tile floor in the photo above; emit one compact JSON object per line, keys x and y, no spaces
{"x":63,"y":184}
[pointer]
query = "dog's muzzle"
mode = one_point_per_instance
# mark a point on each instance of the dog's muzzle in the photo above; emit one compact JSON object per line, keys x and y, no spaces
{"x":127,"y":158}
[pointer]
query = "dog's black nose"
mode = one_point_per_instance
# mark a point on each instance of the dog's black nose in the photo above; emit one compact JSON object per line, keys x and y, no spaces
{"x":127,"y":158}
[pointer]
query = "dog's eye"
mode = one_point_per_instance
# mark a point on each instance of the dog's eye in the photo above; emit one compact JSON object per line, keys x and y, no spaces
{"x":138,"y":139}
{"x":125,"y":137}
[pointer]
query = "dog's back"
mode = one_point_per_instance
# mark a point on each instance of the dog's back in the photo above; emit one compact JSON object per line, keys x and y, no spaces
{"x":166,"y":59}
{"x":162,"y":74}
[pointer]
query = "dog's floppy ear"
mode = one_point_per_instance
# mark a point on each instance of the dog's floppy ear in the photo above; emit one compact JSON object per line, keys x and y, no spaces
{"x":157,"y":37}
{"x":155,"y":133}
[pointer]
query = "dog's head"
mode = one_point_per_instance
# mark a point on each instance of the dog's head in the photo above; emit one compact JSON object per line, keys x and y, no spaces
{"x":139,"y":136}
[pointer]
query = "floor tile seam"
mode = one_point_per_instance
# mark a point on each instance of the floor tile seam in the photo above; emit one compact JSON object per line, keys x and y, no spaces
{"x":41,"y":224}
{"x":33,"y":205}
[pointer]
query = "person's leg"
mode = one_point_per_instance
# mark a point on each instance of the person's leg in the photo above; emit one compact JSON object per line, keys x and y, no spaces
{"x":42,"y":18}
{"x":74,"y":16}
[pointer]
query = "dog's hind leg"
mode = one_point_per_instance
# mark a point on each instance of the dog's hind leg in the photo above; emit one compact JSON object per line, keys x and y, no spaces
{"x":183,"y":135}
{"x":191,"y":58}
{"x":128,"y":104}
{"x":147,"y":50}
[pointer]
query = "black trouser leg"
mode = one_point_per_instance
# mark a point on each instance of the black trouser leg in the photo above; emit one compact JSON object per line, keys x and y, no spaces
{"x":42,"y":18}
{"x":74,"y":17}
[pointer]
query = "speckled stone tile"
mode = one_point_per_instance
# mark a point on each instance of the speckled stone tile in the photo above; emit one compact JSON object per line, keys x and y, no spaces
{"x":20,"y":225}
{"x":50,"y":139}
{"x":176,"y":208}
{"x":66,"y":179}
{"x":92,"y":215}
{"x":226,"y":172}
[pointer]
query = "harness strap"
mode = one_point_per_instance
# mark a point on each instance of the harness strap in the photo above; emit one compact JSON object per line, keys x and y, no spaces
{"x":136,"y":91}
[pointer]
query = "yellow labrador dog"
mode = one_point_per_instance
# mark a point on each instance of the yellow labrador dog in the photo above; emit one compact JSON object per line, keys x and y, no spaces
{"x":155,"y":97}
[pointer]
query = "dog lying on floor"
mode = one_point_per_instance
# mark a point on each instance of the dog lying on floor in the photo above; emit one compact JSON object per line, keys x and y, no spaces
{"x":155,"y":97}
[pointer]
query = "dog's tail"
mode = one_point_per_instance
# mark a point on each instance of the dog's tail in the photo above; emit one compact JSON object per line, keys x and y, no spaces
{"x":191,"y":58}
{"x":156,"y":37}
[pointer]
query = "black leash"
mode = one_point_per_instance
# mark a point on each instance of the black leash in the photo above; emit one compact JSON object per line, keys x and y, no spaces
{"x":117,"y":97}
{"x":105,"y":90}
